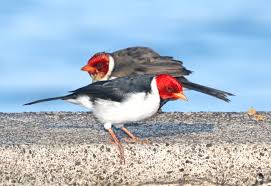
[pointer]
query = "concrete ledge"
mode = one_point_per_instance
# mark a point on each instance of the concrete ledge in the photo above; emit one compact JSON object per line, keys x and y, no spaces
{"x":188,"y":148}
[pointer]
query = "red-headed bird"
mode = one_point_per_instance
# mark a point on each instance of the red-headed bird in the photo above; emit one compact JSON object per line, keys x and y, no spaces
{"x":125,"y":99}
{"x":142,"y":61}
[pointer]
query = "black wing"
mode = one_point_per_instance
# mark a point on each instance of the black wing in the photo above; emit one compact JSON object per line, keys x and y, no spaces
{"x":143,"y":60}
{"x":137,"y":52}
{"x":117,"y":89}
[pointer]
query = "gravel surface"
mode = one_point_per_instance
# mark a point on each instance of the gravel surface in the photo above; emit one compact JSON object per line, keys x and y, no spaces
{"x":73,"y":148}
{"x":68,"y":127}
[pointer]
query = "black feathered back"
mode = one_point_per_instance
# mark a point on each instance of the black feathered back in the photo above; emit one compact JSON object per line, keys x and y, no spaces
{"x":117,"y":89}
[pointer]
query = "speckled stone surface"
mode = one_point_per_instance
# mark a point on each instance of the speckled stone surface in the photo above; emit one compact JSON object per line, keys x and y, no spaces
{"x":202,"y":148}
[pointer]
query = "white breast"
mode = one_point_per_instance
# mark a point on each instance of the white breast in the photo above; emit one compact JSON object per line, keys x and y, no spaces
{"x":136,"y":107}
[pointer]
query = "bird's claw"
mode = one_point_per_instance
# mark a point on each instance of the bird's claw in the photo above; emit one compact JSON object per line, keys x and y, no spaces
{"x":136,"y":140}
{"x":119,"y":145}
{"x":120,"y":149}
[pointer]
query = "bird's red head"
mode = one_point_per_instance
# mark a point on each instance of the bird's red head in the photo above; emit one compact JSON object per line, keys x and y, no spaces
{"x":98,"y":66}
{"x":169,"y":87}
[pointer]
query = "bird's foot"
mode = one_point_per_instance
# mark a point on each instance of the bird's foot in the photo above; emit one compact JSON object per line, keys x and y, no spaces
{"x":121,"y":153}
{"x":132,"y":138}
{"x":136,"y":140}
{"x":119,"y":145}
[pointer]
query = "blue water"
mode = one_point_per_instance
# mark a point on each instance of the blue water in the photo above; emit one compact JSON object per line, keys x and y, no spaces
{"x":44,"y":44}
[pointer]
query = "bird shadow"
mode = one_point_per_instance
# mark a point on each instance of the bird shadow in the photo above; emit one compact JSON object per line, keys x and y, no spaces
{"x":147,"y":130}
{"x":70,"y":126}
{"x":166,"y":129}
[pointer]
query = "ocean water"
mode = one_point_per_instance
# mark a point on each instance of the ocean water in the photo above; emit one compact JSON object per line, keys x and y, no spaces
{"x":45,"y":43}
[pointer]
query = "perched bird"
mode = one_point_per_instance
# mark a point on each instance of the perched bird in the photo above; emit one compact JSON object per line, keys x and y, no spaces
{"x":125,"y":99}
{"x":141,"y":61}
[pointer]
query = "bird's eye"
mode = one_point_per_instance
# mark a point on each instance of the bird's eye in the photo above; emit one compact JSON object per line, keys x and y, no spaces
{"x":170,"y":89}
{"x":99,"y":65}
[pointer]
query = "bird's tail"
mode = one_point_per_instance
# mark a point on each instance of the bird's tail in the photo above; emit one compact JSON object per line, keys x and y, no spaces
{"x":206,"y":90}
{"x":51,"y":99}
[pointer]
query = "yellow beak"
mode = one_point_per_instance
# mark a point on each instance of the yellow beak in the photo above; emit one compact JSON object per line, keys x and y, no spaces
{"x":180,"y":96}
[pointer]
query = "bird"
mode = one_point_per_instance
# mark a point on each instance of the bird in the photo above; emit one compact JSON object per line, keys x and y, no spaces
{"x":125,"y":99}
{"x":141,"y":61}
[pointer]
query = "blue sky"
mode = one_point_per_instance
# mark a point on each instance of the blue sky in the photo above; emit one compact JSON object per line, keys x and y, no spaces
{"x":45,"y":43}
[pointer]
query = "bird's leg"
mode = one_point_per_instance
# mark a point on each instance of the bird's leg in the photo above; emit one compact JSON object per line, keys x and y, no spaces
{"x":133,"y":138}
{"x":160,"y":111}
{"x":116,"y":141}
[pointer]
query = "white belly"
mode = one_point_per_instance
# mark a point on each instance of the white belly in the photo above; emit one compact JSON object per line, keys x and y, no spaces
{"x":83,"y":101}
{"x":139,"y":106}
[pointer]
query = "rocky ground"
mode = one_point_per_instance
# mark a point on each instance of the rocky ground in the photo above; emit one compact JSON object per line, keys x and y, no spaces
{"x":187,"y":148}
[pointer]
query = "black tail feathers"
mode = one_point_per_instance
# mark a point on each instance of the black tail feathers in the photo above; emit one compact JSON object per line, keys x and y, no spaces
{"x":206,"y":90}
{"x":50,"y":99}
